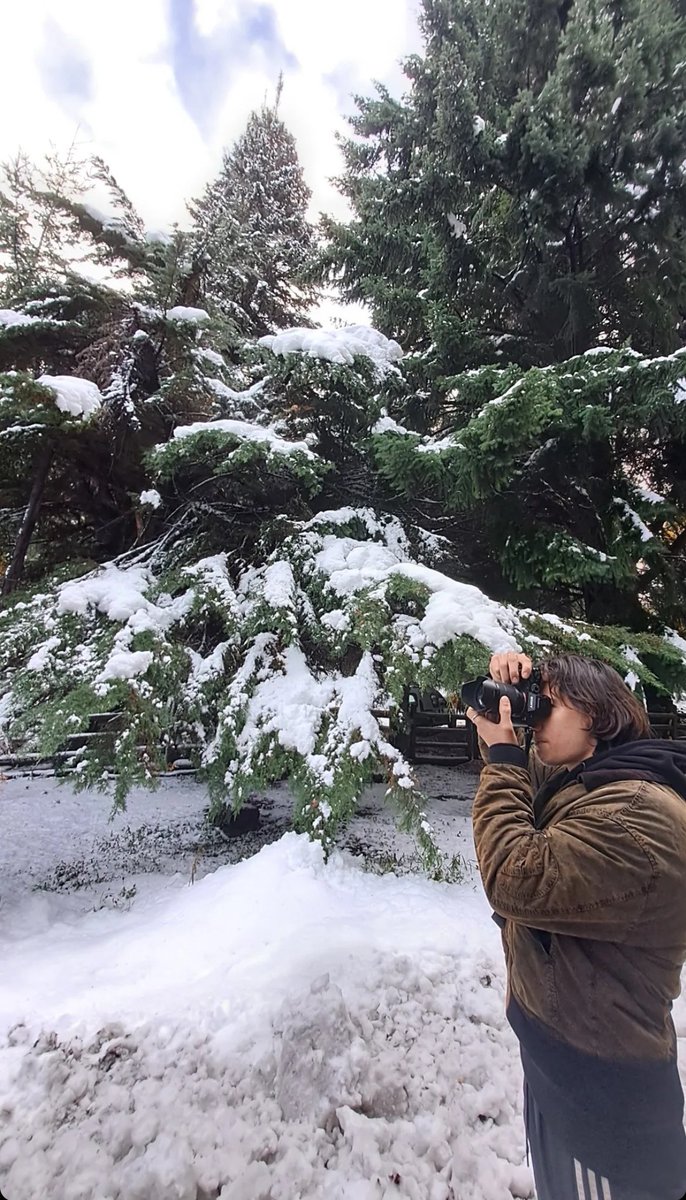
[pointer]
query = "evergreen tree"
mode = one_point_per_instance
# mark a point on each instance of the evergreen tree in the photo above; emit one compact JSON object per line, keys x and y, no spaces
{"x":527,"y":199}
{"x":574,"y":476}
{"x":257,"y":629}
{"x":253,"y":244}
{"x":68,"y":486}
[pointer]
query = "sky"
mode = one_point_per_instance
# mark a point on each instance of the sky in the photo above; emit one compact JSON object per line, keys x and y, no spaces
{"x":159,"y":87}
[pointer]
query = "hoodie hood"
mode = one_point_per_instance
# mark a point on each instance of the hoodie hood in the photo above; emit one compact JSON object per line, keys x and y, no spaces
{"x":657,"y":760}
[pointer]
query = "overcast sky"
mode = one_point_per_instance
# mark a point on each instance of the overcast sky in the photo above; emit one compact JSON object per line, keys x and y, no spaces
{"x":158,"y":87}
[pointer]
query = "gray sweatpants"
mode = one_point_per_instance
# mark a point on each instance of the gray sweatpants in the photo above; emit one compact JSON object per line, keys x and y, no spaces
{"x":560,"y":1176}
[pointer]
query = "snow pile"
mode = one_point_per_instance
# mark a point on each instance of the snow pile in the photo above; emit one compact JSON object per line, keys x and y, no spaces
{"x":120,"y":596}
{"x":245,"y":431}
{"x":78,"y":397}
{"x":151,"y":498}
{"x":9,"y":317}
{"x":453,"y":608}
{"x":386,"y":424}
{"x":125,"y":664}
{"x":337,"y":345}
{"x":191,"y":315}
{"x":344,"y":1039}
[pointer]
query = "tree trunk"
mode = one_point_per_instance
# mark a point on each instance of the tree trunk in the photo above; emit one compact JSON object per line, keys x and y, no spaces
{"x":14,"y":571}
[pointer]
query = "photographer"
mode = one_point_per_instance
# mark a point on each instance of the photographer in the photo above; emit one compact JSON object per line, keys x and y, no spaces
{"x":582,"y":852}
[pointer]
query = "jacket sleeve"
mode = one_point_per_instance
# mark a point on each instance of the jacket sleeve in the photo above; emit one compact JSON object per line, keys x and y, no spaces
{"x":538,"y":771}
{"x":586,"y":875}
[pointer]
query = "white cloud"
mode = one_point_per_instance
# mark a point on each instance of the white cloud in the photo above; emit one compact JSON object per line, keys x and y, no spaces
{"x":135,"y":117}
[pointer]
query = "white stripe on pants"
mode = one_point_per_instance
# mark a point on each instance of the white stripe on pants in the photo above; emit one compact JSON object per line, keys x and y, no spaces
{"x":587,"y":1188}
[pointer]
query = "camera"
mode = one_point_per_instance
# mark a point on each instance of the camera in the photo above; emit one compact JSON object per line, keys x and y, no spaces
{"x":529,"y":705}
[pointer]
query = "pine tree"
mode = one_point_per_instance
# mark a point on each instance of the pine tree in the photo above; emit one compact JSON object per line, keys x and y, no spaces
{"x":253,"y":244}
{"x":69,"y":487}
{"x":527,"y":199}
{"x":574,"y":475}
{"x":256,"y":629}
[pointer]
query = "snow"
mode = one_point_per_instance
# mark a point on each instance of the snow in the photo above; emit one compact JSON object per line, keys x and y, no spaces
{"x":453,"y":608}
{"x":505,"y":396}
{"x":210,"y":356}
{"x":631,"y":656}
{"x":151,"y":497}
{"x":636,"y":521}
{"x":345,"y":1039}
{"x":616,"y":106}
{"x":9,"y":317}
{"x":675,"y":639}
{"x":248,"y":432}
{"x":648,"y":494}
{"x":680,"y":393}
{"x":192,"y":315}
{"x":108,"y":220}
{"x":337,"y":345}
{"x":386,"y":424}
{"x":125,"y":664}
{"x":553,"y":619}
{"x":120,"y":596}
{"x":457,"y":225}
{"x":117,"y":593}
{"x":78,"y":397}
{"x":436,"y":447}
{"x":479,"y":125}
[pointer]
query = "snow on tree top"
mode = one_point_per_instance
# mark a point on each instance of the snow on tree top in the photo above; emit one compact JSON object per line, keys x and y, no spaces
{"x":182,"y":313}
{"x":248,"y":432}
{"x":337,"y":345}
{"x":78,"y":397}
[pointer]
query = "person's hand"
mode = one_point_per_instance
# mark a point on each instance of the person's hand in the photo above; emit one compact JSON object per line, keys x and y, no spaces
{"x":510,"y":668}
{"x":495,"y":733}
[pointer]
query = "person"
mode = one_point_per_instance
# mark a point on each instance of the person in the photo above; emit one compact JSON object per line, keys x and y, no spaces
{"x":582,"y":853}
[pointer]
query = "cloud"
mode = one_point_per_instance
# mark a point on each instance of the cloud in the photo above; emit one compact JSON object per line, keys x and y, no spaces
{"x":65,"y":68}
{"x":160,"y":87}
{"x":202,"y":62}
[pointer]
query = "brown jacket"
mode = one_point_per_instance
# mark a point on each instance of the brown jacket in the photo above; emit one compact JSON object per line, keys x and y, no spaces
{"x":603,"y":878}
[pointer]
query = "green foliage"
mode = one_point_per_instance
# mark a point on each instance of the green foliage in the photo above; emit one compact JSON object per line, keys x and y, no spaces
{"x":575,"y":474}
{"x":527,"y":197}
{"x":252,"y":244}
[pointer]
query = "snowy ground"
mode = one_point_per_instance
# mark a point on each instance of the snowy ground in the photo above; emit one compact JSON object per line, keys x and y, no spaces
{"x":277,"y":1029}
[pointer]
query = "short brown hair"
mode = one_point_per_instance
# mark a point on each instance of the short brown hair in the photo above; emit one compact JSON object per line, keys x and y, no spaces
{"x":588,"y":684}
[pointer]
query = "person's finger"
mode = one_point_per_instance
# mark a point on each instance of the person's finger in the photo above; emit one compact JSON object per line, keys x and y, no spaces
{"x":497,"y":668}
{"x":517,"y":667}
{"x":525,"y":666}
{"x":513,"y":668}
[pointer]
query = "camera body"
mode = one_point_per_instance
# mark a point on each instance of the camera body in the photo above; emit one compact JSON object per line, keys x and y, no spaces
{"x":529,"y":705}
